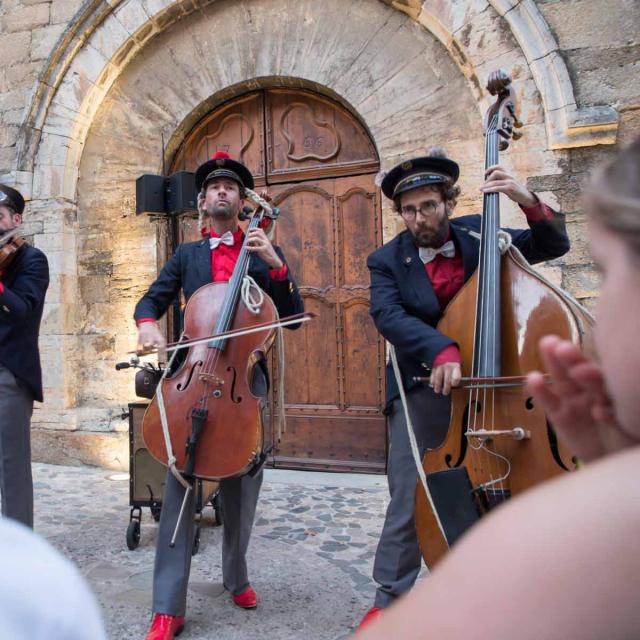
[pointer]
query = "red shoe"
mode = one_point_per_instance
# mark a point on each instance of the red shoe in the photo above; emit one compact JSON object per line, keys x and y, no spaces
{"x":165,"y":627}
{"x":248,"y":599}
{"x":373,"y":614}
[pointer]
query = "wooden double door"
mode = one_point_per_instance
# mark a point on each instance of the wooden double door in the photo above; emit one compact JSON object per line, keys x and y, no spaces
{"x":318,"y":164}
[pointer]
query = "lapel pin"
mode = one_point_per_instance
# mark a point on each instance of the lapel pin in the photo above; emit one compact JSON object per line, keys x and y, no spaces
{"x":408,"y":259}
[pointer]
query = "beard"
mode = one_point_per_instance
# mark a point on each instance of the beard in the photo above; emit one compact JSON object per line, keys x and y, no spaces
{"x":432,"y":235}
{"x":221,"y":212}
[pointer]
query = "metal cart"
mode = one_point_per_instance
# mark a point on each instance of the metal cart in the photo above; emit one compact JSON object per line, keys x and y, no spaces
{"x":146,"y":483}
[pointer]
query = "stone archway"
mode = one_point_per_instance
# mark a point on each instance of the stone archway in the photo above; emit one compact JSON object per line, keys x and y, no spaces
{"x":128,"y":72}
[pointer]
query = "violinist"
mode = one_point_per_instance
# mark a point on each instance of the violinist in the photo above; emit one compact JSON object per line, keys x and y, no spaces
{"x":561,"y":560}
{"x":221,"y":182}
{"x":24,"y":278}
{"x":413,"y":278}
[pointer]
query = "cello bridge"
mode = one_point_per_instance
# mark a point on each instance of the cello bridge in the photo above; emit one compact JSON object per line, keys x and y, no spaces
{"x":211,"y":379}
{"x":517,"y":433}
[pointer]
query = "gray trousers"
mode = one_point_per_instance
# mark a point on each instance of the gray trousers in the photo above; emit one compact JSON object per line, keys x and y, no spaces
{"x":16,"y":485}
{"x":398,"y":559}
{"x":239,"y":497}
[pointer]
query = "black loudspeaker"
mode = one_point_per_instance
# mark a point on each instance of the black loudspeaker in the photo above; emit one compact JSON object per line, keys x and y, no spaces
{"x":181,"y":192}
{"x":150,"y":194}
{"x":175,"y":194}
{"x":146,"y":474}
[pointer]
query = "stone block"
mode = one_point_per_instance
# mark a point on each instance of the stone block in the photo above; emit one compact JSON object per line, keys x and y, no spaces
{"x":63,"y":10}
{"x":45,"y":39}
{"x":109,"y":38}
{"x":131,"y":16}
{"x":581,"y":24}
{"x":601,"y":75}
{"x":26,"y":18}
{"x":107,"y":450}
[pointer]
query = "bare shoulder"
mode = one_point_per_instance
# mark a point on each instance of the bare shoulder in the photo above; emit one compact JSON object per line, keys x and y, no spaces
{"x":561,"y":561}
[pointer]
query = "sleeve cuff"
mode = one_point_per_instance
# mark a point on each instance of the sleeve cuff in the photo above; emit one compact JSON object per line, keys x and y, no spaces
{"x":538,"y":212}
{"x":448,"y":354}
{"x":279,"y":274}
{"x":141,"y":320}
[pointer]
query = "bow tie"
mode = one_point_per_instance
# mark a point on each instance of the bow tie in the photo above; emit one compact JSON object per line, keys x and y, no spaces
{"x":427,"y":254}
{"x":225,"y":238}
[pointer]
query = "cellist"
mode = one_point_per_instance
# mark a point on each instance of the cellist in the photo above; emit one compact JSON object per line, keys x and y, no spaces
{"x":413,"y":278}
{"x":221,"y":182}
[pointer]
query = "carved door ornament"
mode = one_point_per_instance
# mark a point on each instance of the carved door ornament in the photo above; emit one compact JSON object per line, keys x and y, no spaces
{"x":310,"y":141}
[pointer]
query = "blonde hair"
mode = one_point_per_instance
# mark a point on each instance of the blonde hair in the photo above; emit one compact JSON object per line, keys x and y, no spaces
{"x":613,"y":196}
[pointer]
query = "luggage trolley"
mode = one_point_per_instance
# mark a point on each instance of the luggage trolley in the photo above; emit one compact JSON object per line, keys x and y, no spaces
{"x":147,"y":475}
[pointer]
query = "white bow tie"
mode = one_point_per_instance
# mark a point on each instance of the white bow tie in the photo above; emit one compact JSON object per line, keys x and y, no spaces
{"x":225,"y":238}
{"x":427,"y":254}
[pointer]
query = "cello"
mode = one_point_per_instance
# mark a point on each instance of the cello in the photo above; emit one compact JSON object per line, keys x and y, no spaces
{"x":496,"y":432}
{"x":204,"y":421}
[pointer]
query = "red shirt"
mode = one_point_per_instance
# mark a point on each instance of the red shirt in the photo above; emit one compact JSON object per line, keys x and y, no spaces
{"x":447,"y":276}
{"x":223,"y":261}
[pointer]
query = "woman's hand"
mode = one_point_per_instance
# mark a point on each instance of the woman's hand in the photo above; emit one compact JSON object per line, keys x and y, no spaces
{"x":576,"y":400}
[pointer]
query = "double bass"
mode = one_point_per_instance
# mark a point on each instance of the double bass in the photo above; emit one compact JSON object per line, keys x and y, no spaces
{"x":496,"y":431}
{"x":214,"y":422}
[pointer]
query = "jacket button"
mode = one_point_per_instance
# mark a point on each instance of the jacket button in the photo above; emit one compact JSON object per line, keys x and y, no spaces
{"x":408,"y":260}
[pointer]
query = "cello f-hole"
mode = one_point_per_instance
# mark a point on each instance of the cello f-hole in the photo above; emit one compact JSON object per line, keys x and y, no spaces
{"x":183,"y":387}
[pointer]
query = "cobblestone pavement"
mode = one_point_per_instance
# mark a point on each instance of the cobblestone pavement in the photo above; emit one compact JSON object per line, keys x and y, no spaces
{"x":310,"y":558}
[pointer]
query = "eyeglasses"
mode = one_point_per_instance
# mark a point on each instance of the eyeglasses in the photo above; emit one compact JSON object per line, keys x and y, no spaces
{"x":426,"y":208}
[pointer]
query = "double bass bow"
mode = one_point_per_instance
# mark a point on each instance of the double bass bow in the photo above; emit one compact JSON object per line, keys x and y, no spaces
{"x":496,"y":431}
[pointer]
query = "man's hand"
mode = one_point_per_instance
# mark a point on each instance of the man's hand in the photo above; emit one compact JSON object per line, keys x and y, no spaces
{"x":150,"y":337}
{"x":499,"y":180}
{"x":257,"y":242}
{"x":445,"y":376}
{"x":576,"y":400}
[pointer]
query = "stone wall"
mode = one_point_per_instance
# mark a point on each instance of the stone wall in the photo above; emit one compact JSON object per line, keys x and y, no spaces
{"x":89,"y":87}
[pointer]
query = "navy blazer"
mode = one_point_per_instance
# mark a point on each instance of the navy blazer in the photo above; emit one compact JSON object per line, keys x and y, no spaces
{"x":404,"y":306}
{"x":190,"y":268}
{"x":21,"y":304}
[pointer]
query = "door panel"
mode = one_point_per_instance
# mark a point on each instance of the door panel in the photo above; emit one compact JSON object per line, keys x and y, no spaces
{"x":318,"y":163}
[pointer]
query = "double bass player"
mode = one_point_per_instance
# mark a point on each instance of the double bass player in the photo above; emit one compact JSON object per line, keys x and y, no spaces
{"x":413,"y":278}
{"x":221,"y":182}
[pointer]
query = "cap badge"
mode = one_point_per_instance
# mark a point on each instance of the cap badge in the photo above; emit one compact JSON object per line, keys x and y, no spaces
{"x":407,"y":165}
{"x":220,"y":162}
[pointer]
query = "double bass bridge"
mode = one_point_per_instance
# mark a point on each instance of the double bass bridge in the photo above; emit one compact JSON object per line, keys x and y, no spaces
{"x":517,"y":433}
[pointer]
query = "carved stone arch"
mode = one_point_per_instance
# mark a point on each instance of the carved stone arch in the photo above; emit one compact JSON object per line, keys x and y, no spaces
{"x":84,"y":65}
{"x":124,"y":72}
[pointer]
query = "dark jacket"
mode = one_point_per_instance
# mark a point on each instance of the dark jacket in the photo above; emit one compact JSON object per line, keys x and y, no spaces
{"x":25,"y":285}
{"x":404,"y":306}
{"x":190,"y":268}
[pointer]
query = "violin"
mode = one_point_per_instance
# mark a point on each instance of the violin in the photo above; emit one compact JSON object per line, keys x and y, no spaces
{"x":497,"y":434}
{"x":10,"y":244}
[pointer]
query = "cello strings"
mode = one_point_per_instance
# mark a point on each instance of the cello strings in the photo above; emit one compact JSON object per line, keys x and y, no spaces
{"x":226,"y":317}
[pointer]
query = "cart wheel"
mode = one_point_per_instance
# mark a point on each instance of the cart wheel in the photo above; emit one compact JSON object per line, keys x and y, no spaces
{"x":155,"y":511}
{"x":196,"y":542}
{"x":216,"y":503}
{"x":133,"y":535}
